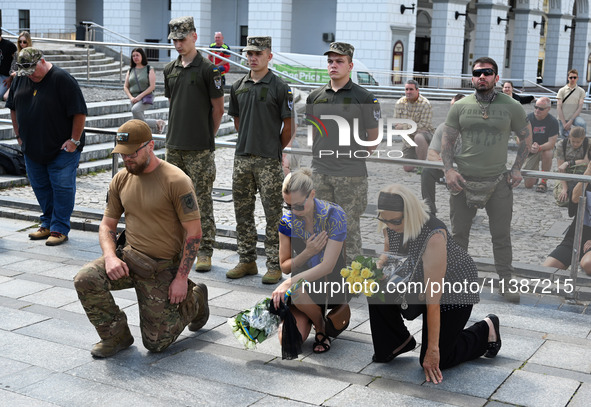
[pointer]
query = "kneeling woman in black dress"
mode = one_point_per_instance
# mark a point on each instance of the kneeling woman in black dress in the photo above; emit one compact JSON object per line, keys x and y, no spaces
{"x":445,"y":342}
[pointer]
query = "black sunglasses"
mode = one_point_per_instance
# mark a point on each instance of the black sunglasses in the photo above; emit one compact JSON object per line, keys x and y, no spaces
{"x":485,"y":71}
{"x":297,"y":207}
{"x":26,"y":65}
{"x":395,"y":222}
{"x":573,"y":77}
{"x":540,"y":108}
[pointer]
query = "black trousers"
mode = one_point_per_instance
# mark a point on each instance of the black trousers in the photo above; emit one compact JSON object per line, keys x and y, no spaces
{"x":456,"y":344}
{"x":429,"y":178}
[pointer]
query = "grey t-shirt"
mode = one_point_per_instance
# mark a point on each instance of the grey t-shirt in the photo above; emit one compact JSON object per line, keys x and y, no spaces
{"x":437,"y":140}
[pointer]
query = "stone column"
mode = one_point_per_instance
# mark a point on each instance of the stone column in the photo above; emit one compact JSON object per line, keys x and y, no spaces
{"x":200,"y":10}
{"x":557,"y":50}
{"x":580,"y":50}
{"x":271,"y":18}
{"x":123,"y":17}
{"x":490,"y":35}
{"x":447,"y":40}
{"x":526,"y":47}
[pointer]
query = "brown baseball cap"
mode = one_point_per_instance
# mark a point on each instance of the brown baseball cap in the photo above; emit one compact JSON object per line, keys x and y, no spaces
{"x":131,"y":135}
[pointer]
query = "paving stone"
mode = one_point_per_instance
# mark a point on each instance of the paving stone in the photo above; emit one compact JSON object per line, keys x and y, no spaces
{"x":34,"y":265}
{"x":355,"y":396}
{"x":64,"y":389}
{"x":473,"y":378}
{"x":518,"y":347}
{"x":179,"y":389}
{"x":41,"y":353}
{"x":13,"y":399}
{"x":344,"y":355}
{"x":11,"y":319}
{"x":23,"y":377}
{"x":237,"y":300}
{"x":270,"y":401}
{"x":9,"y":259}
{"x":53,"y":297}
{"x":64,"y":272}
{"x":4,"y":279}
{"x":20,"y":288}
{"x":74,"y":334}
{"x":536,"y":390}
{"x":404,"y":368}
{"x":571,"y":357}
{"x":274,"y":380}
{"x":582,"y":397}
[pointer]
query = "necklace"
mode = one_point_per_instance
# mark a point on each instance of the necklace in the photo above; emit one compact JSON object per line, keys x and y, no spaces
{"x":484,"y":109}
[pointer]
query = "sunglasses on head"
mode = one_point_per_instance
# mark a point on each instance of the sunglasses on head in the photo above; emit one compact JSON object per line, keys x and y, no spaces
{"x":395,"y":222}
{"x":297,"y":207}
{"x":26,"y":65}
{"x":485,"y":71}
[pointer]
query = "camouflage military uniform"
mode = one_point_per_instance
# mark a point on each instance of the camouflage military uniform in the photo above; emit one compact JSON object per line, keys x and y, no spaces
{"x":350,"y":193}
{"x":200,"y":167}
{"x":190,"y":139}
{"x":340,"y":173}
{"x":161,"y":322}
{"x":252,"y":174}
{"x":261,"y":108}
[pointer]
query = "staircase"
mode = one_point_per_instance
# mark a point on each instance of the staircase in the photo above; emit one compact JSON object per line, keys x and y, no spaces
{"x":109,"y":115}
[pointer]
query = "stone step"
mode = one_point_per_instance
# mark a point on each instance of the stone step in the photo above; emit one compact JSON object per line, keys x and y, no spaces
{"x":57,"y":58}
{"x":74,"y":63}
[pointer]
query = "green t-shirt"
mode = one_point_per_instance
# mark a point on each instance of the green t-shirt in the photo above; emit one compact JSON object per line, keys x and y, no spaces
{"x":190,"y":90}
{"x":261,"y":108}
{"x":360,"y":109}
{"x":485,"y":141}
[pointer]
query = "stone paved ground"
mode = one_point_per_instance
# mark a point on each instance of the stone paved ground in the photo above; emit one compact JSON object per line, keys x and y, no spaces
{"x":45,"y":340}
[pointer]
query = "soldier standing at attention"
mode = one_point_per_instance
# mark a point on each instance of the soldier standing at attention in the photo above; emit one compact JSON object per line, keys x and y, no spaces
{"x":261,"y":103}
{"x":193,"y":86}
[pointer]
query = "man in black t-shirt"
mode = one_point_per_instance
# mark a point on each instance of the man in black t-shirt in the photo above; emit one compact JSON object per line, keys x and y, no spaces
{"x":48,"y":113}
{"x":545,"y":133}
{"x":7,"y":50}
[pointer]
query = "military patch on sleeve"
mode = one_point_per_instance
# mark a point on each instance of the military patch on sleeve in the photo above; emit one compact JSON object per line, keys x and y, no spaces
{"x":217,"y":78}
{"x":289,"y":99}
{"x":189,"y":203}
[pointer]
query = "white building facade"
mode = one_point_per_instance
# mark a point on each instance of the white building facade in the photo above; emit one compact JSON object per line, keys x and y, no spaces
{"x":528,"y":38}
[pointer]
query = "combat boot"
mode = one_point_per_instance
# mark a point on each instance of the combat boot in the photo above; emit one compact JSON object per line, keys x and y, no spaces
{"x":272,"y":277}
{"x":203,"y":263}
{"x":109,"y":347}
{"x":203,"y":311}
{"x":243,"y":269}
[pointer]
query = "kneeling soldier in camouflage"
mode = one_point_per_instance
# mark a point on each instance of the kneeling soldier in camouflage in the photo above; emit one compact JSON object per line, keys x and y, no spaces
{"x":163,"y":231}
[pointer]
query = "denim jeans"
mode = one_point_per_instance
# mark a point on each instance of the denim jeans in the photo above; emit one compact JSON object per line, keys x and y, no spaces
{"x":579,"y":121}
{"x":54,"y":185}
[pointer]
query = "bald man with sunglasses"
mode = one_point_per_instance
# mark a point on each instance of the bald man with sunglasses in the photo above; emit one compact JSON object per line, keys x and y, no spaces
{"x":484,"y":122}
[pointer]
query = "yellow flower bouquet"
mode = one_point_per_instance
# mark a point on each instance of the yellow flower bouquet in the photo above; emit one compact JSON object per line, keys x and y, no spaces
{"x":362,"y":277}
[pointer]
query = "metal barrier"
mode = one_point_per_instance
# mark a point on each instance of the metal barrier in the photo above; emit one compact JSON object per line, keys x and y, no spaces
{"x":432,"y":164}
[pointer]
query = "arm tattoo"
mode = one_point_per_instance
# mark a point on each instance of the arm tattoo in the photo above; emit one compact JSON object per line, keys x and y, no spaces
{"x":189,"y":254}
{"x":522,"y":148}
{"x":113,"y":235}
{"x":450,"y":136}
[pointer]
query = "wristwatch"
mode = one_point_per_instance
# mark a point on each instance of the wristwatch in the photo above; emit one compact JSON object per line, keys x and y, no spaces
{"x":76,"y":142}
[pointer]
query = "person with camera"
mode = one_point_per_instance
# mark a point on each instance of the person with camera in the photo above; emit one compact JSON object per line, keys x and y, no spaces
{"x":311,"y":247}
{"x":436,"y":262}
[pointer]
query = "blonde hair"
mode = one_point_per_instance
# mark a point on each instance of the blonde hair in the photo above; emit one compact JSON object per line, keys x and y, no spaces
{"x":298,"y":181}
{"x":577,"y":132}
{"x":27,"y":37}
{"x":415,"y":211}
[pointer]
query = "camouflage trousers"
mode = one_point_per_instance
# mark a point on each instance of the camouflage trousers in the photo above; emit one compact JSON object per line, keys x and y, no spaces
{"x":200,"y":167}
{"x":252,"y":174}
{"x":160,"y":321}
{"x":350,"y":193}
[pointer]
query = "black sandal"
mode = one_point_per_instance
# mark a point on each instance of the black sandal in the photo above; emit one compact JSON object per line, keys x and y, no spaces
{"x":407,"y":346}
{"x":493,"y":347}
{"x":320,"y":339}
